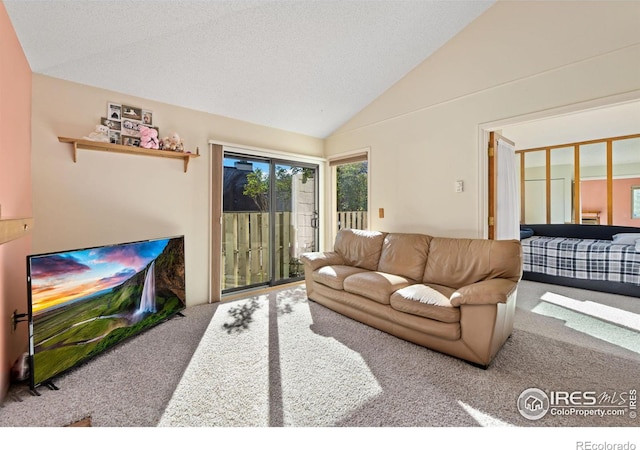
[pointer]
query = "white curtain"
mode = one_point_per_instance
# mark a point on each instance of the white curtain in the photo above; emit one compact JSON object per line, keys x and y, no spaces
{"x":508,"y":200}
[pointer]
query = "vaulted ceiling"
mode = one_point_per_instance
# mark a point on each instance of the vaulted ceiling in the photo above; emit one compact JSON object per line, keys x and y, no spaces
{"x":305,"y":66}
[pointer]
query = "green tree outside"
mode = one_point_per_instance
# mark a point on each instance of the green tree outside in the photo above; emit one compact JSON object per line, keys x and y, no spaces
{"x":257,"y":186}
{"x":352,"y":186}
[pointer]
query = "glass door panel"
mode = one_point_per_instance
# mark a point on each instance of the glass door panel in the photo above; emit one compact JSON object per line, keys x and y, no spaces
{"x":626,"y":181}
{"x":245,"y":223}
{"x":562,"y":173}
{"x":295,"y":218}
{"x":593,"y":183}
{"x":535,"y":187}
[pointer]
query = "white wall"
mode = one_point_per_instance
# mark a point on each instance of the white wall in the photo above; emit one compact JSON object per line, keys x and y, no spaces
{"x":611,"y":121}
{"x":517,"y":60}
{"x":107,"y":198}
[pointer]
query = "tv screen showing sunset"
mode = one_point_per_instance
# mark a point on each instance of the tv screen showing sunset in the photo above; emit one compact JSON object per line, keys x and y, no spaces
{"x":83,"y":302}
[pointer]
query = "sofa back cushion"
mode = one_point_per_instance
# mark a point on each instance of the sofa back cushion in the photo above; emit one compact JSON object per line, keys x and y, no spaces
{"x":404,"y":254}
{"x":360,"y":248}
{"x":459,"y":262}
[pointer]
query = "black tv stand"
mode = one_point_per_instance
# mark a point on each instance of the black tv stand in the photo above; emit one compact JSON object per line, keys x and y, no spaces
{"x":48,"y":384}
{"x":51,"y":386}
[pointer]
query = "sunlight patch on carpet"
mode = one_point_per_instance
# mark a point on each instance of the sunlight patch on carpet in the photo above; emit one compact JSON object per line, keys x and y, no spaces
{"x":607,"y":313}
{"x":593,"y":320}
{"x":226,"y":382}
{"x":261,"y":364}
{"x":323,"y":381}
{"x":483,"y":419}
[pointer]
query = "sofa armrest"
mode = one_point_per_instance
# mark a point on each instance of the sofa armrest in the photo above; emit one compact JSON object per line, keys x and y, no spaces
{"x":485,"y":292}
{"x":315,"y":260}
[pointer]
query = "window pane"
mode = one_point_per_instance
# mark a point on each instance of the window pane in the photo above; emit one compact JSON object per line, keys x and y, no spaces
{"x":535,"y":191}
{"x":626,"y":175}
{"x":562,"y":172}
{"x":352,"y":197}
{"x":593,"y":183}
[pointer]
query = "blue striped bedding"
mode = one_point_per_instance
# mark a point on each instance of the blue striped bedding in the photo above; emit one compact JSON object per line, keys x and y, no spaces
{"x":587,"y":259}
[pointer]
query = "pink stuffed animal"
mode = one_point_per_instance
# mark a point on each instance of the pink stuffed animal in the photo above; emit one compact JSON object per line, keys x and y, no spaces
{"x":148,"y":137}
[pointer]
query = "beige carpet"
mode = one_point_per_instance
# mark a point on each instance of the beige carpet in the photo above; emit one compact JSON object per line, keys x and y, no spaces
{"x":280,"y":360}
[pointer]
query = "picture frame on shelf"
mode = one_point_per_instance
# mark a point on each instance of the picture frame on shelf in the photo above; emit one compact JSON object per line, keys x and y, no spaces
{"x":130,"y":141}
{"x":112,"y":124}
{"x":115,"y":137}
{"x":147,"y":117}
{"x":131,"y":127}
{"x":131,"y":112}
{"x":114,"y":111}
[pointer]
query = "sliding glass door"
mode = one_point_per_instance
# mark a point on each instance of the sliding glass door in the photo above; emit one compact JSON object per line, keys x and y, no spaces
{"x":270,"y":217}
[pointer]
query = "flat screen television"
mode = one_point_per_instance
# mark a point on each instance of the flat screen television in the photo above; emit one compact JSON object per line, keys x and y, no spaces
{"x":83,"y":302}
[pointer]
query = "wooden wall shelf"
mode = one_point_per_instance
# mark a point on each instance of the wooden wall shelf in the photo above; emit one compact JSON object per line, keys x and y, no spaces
{"x":116,"y":148}
{"x":11,"y":229}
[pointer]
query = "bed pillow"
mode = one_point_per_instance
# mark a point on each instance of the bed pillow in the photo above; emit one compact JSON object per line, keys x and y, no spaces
{"x":526,"y":233}
{"x":638,"y":246}
{"x":626,"y":238}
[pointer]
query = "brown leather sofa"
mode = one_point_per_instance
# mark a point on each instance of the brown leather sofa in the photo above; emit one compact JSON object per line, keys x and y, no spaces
{"x":455,"y":296}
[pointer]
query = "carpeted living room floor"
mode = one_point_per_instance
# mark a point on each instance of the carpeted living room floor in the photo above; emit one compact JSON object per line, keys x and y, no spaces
{"x":275,"y":359}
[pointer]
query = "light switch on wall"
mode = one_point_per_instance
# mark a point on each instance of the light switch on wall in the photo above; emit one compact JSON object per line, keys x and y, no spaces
{"x":381,"y":213}
{"x":459,"y":186}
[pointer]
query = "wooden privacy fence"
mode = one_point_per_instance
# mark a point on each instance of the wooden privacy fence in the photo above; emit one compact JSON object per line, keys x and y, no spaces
{"x":352,"y":219}
{"x":245,"y":246}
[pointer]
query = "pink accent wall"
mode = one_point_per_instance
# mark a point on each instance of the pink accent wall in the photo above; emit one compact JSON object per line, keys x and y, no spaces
{"x":15,"y":191}
{"x":622,"y":202}
{"x":594,"y":197}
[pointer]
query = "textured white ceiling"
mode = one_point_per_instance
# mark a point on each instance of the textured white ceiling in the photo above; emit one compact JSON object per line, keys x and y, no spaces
{"x":300,"y":65}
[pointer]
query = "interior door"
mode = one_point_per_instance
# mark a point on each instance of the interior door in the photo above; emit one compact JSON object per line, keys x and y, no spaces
{"x":504,"y":209}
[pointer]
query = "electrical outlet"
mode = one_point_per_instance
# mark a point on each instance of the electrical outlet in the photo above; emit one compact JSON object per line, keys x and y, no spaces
{"x":459,"y":186}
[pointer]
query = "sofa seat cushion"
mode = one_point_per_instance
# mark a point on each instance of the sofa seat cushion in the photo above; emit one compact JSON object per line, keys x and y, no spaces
{"x":334,"y":276}
{"x":431,"y":302}
{"x":373,"y":314}
{"x":376,"y":286}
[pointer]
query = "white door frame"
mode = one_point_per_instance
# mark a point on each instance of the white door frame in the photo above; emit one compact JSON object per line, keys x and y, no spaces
{"x":486,"y":127}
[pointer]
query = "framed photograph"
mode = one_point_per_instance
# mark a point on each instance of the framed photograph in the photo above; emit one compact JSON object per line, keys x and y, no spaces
{"x":147,"y":117}
{"x":112,"y":124}
{"x":131,"y":128}
{"x":131,"y":141}
{"x":115,"y":137}
{"x":114,"y":111}
{"x":131,"y":112}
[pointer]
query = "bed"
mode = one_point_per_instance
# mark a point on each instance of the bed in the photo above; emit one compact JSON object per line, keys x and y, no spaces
{"x":583,"y":256}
